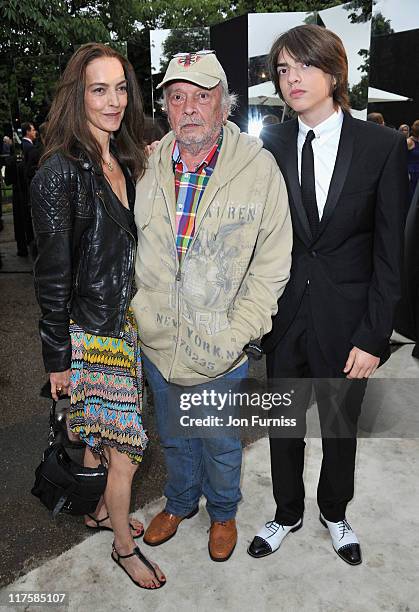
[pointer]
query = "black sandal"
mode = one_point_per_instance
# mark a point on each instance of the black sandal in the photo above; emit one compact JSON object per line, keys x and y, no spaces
{"x":100,"y":527}
{"x":146,"y":562}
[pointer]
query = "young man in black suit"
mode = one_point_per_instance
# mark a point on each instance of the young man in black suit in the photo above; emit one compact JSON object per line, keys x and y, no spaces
{"x":346,"y":182}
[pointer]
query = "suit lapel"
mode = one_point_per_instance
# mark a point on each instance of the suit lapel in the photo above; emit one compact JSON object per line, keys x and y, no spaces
{"x":290,"y":167}
{"x":340,"y":172}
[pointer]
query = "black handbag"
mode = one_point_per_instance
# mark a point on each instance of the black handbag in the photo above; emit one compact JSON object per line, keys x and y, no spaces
{"x":61,"y":484}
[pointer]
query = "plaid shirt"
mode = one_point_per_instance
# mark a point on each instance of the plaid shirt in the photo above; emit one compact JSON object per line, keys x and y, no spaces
{"x":189,"y":187}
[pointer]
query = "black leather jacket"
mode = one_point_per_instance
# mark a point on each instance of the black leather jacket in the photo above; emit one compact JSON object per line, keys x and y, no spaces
{"x":86,"y":244}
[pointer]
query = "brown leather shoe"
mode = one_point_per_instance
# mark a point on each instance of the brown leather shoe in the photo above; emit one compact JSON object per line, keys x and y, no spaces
{"x":163,"y":527}
{"x":222,"y":540}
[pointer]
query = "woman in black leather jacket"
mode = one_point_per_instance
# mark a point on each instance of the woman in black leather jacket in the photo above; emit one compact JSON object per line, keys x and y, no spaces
{"x":82,"y":203}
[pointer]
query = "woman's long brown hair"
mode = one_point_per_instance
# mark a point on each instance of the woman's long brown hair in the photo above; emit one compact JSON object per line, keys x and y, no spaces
{"x":67,"y":130}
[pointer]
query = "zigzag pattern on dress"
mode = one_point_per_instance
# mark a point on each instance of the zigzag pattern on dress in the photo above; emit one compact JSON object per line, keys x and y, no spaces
{"x":106,"y":390}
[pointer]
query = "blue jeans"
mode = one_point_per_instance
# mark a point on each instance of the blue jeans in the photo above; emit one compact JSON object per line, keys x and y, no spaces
{"x":197,"y":466}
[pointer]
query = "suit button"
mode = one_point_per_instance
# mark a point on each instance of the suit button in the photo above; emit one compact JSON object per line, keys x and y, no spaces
{"x":313,"y":253}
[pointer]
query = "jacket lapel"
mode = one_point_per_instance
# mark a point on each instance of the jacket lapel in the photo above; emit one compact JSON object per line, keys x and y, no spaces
{"x":340,"y":172}
{"x":290,"y":167}
{"x":113,"y":206}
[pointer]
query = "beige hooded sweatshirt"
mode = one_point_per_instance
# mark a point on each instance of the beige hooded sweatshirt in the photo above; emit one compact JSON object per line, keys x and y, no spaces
{"x":195,"y":319}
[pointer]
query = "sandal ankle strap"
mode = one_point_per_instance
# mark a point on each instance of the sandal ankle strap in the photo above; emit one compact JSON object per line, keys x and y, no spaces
{"x":98,"y":521}
{"x":123,"y":556}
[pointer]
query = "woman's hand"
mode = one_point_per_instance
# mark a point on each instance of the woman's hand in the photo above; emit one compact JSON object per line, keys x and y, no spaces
{"x":60,"y":383}
{"x":149,"y":149}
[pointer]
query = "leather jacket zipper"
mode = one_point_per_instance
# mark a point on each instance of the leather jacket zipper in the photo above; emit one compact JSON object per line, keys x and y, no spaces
{"x":128,"y":295}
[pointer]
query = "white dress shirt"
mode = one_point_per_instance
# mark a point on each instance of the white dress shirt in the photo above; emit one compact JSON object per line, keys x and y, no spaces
{"x":325,"y":148}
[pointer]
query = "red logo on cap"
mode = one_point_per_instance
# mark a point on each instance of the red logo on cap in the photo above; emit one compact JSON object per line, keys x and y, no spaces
{"x":189,"y":59}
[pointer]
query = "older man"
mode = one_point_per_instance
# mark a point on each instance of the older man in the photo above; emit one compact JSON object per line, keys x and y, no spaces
{"x":214,"y":244}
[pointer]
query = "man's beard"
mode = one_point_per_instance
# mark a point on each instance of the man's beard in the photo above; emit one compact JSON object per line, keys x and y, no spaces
{"x":195,"y":143}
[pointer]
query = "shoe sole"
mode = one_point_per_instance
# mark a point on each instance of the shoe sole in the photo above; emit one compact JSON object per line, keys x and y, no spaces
{"x":323,"y":522}
{"x":293,"y":530}
{"x":217,"y":560}
{"x":189,"y":516}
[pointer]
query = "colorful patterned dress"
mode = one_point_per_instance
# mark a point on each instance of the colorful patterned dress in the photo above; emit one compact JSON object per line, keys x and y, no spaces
{"x":106,"y":388}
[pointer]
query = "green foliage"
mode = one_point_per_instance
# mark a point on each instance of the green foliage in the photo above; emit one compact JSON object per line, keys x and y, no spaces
{"x":380,"y":25}
{"x":361,"y":10}
{"x":193,"y":39}
{"x":164,"y":14}
{"x":283,"y":6}
{"x":358,"y":93}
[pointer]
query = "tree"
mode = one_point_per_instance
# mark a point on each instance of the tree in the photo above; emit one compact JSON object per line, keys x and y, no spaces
{"x":283,"y":6}
{"x":362,"y":11}
{"x":380,"y":25}
{"x":358,"y":93}
{"x":36,"y":37}
{"x":193,"y":39}
{"x":36,"y":27}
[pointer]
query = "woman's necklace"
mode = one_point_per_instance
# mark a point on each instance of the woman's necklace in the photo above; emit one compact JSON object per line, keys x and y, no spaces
{"x":110,"y":165}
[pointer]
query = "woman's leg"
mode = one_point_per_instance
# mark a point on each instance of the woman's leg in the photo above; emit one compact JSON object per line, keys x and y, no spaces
{"x":117,"y":500}
{"x":92,"y":460}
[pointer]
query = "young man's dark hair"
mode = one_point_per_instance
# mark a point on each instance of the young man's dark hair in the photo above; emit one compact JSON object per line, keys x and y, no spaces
{"x":315,"y":46}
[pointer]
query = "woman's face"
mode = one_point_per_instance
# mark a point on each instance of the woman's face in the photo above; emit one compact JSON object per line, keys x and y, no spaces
{"x":404,"y":129}
{"x":105,"y":96}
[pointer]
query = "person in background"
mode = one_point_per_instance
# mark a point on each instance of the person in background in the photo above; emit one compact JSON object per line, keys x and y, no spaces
{"x":404,"y":129}
{"x":7,"y":145}
{"x":34,"y":155}
{"x":28,"y":138}
{"x":376,"y":118}
{"x":83,"y":200}
{"x":413,"y":158}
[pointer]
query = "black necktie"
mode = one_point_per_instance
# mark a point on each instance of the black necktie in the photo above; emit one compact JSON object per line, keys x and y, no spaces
{"x":308,"y":186}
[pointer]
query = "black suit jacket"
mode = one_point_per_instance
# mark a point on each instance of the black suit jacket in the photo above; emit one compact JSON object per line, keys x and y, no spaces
{"x":353,"y":265}
{"x":26,"y":147}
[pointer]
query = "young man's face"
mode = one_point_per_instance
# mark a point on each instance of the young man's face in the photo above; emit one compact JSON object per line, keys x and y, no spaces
{"x":306,"y":89}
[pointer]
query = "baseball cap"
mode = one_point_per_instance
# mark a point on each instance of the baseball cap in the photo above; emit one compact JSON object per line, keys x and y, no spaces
{"x":201,"y":68}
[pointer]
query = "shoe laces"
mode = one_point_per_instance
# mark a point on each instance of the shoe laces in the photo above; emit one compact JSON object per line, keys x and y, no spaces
{"x":273,"y":526}
{"x":344,"y":527}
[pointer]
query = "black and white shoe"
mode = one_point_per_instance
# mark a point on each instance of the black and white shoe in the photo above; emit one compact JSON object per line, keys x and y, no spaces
{"x":344,"y":540}
{"x":270,"y":537}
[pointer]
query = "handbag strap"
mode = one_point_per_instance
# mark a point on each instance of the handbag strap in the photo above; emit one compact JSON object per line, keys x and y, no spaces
{"x":60,"y":503}
{"x":52,"y":422}
{"x":52,"y":433}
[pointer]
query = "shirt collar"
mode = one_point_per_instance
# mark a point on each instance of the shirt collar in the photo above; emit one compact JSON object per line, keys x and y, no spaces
{"x":324,"y":129}
{"x":177,"y":159}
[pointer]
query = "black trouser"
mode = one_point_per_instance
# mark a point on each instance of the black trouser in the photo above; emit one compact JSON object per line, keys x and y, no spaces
{"x":299,"y":355}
